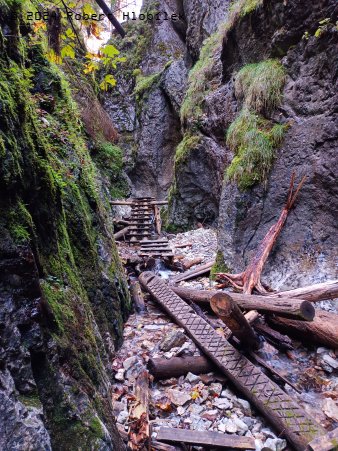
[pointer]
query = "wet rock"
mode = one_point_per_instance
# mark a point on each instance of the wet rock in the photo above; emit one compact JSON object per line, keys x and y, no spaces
{"x":178,"y":398}
{"x":172,"y":340}
{"x":275,"y":444}
{"x":330,"y":408}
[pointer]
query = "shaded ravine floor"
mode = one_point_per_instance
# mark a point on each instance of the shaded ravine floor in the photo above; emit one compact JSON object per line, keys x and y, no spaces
{"x":209,"y":402}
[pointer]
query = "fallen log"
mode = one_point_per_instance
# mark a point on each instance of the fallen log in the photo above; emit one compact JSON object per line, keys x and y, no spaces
{"x":322,"y":330}
{"x":312,"y":293}
{"x":228,"y":311}
{"x":137,"y":297}
{"x":250,"y":279}
{"x":279,"y":341}
{"x":122,"y":233}
{"x":199,"y":271}
{"x":277,"y":406}
{"x":178,"y":366}
{"x":139,"y":414}
{"x":204,"y":438}
{"x":158,"y":446}
{"x":121,"y":222}
{"x":187,"y":264}
{"x":285,"y":307}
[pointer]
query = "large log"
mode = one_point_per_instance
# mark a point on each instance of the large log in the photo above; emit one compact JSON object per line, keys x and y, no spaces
{"x":206,"y":439}
{"x":285,"y":307}
{"x":228,"y":311}
{"x":322,"y":330}
{"x":178,"y":366}
{"x":139,"y":414}
{"x":312,"y":293}
{"x":192,"y":274}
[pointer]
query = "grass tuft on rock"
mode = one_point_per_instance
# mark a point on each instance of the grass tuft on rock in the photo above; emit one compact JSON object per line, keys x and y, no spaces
{"x":188,"y":143}
{"x":261,"y":85}
{"x":254,"y":141}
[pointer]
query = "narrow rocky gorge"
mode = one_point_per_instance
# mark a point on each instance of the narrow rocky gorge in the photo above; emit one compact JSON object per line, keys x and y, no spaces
{"x":212,"y":111}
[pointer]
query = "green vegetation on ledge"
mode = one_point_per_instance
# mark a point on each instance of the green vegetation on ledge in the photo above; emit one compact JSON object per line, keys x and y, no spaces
{"x":252,"y":137}
{"x":219,"y":266}
{"x":188,"y":143}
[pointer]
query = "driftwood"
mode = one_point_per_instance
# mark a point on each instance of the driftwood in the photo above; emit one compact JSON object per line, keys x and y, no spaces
{"x":285,"y":307}
{"x":228,"y":311}
{"x":122,"y":233}
{"x":178,"y":366}
{"x":312,"y":293}
{"x":322,"y":330}
{"x":137,"y":297}
{"x":199,"y":271}
{"x":204,"y":438}
{"x":249,"y":280}
{"x":328,"y":442}
{"x":139,"y":414}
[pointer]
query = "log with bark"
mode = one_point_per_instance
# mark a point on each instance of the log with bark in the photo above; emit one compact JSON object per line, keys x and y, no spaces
{"x":279,"y":341}
{"x":192,"y":274}
{"x":137,"y":297}
{"x":205,"y":439}
{"x":250,"y":279}
{"x":322,"y":330}
{"x":139,"y":414}
{"x":228,"y":311}
{"x":178,"y":366}
{"x":122,"y":233}
{"x":312,"y":293}
{"x":187,"y":264}
{"x":285,"y":307}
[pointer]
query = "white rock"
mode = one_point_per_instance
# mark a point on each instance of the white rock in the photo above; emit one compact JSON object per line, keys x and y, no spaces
{"x":222,"y":403}
{"x":230,"y":427}
{"x":122,"y":417}
{"x":241,"y":426}
{"x":228,"y":394}
{"x":119,"y":376}
{"x":330,"y":361}
{"x":268,"y":433}
{"x":177,"y":397}
{"x":180,"y":410}
{"x":191,"y":378}
{"x":215,"y":388}
{"x":210,"y":415}
{"x":330,"y":408}
{"x":275,"y":444}
{"x":221,"y":427}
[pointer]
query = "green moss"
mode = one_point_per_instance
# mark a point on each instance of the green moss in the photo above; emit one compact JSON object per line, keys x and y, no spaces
{"x":219,"y":266}
{"x":254,"y":141}
{"x":261,"y":85}
{"x":202,"y":74}
{"x":32,"y":400}
{"x":144,"y":84}
{"x":19,"y":223}
{"x":188,"y":143}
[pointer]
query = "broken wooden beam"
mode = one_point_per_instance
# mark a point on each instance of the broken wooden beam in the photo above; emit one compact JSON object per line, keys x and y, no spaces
{"x":327,"y":442}
{"x":162,"y":368}
{"x":285,"y":307}
{"x":322,"y":330}
{"x":279,"y":341}
{"x":312,"y":293}
{"x":139,"y":414}
{"x":137,"y":297}
{"x":122,"y":233}
{"x":192,"y":274}
{"x":278,"y":407}
{"x":205,"y":438}
{"x":228,"y":311}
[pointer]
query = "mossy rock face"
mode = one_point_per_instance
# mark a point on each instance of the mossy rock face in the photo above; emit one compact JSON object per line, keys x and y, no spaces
{"x":57,"y":245}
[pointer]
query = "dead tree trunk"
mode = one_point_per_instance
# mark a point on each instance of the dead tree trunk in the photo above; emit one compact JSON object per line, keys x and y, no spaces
{"x":199,"y":271}
{"x":322,"y":330}
{"x":285,"y":307}
{"x":249,"y":280}
{"x":228,"y":311}
{"x":137,"y":297}
{"x":179,"y":366}
{"x":312,"y":293}
{"x":122,"y":233}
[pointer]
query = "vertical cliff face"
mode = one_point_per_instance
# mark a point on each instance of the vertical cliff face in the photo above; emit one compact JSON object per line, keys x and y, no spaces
{"x":63,"y":296}
{"x":249,"y":100}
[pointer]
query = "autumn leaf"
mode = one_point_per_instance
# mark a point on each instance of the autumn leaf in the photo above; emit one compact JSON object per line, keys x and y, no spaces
{"x":195,"y":394}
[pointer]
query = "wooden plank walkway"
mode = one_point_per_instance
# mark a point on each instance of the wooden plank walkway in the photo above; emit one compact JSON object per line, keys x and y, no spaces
{"x":279,"y":408}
